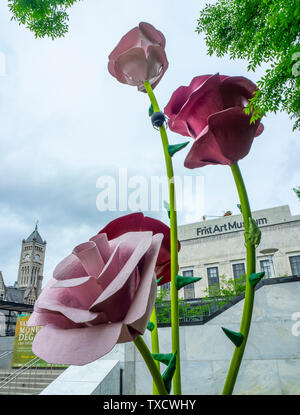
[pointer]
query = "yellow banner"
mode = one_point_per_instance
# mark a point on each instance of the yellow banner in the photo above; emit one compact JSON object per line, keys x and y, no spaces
{"x":24,"y":336}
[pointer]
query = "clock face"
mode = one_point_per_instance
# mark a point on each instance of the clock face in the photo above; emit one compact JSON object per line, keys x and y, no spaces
{"x":27,"y":257}
{"x":37,"y":257}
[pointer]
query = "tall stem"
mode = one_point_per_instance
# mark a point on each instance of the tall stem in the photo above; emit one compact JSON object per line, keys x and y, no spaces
{"x":174,"y":246}
{"x":249,"y":292}
{"x":150,"y":362}
{"x":155,"y":344}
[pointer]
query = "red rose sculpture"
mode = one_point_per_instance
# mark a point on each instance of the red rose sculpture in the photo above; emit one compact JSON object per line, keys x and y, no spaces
{"x":139,"y":56}
{"x":210,"y":110}
{"x":136,"y":222}
{"x":101,"y":294}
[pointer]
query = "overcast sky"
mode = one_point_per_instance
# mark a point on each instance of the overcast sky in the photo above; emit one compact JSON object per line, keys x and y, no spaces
{"x":65,"y":122}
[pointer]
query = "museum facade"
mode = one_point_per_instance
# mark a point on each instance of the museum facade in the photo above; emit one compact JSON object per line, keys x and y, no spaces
{"x":214,"y":249}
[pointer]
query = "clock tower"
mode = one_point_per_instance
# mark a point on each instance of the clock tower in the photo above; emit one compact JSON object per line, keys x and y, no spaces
{"x":31,"y":266}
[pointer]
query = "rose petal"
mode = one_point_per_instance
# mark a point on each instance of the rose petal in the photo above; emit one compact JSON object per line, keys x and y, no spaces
{"x":153,"y":35}
{"x":112,"y":292}
{"x":132,"y":65}
{"x":85,"y":290}
{"x":203,"y":101}
{"x":236,"y":91}
{"x":61,"y":300}
{"x":75,"y":346}
{"x":42,"y":319}
{"x":90,"y":258}
{"x":227,"y":139}
{"x":69,"y":267}
{"x":139,"y":305}
{"x":123,"y":224}
{"x":103,"y":246}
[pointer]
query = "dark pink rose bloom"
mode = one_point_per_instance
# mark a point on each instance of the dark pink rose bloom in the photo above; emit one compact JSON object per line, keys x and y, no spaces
{"x":139,"y":56}
{"x":101,"y":294}
{"x":136,"y":222}
{"x":210,"y":110}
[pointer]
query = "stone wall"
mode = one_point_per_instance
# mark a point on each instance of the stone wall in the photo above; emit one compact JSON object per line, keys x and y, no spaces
{"x":6,"y":344}
{"x":271,"y":363}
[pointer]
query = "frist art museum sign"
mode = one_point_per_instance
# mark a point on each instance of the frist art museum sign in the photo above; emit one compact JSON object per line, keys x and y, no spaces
{"x":226,"y":227}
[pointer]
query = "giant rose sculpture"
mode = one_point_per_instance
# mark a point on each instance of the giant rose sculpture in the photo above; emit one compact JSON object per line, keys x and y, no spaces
{"x":101,"y":294}
{"x":139,"y":56}
{"x":211,"y":111}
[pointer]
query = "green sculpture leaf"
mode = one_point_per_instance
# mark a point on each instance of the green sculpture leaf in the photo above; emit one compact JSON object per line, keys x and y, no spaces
{"x":164,"y":358}
{"x":169,"y":373}
{"x":151,"y":110}
{"x":255,"y":278}
{"x":150,"y":326}
{"x":173,"y":148}
{"x":159,"y":280}
{"x":236,"y":337}
{"x":183,"y":281}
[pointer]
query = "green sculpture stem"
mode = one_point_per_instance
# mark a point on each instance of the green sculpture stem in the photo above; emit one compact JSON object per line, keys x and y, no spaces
{"x":151,"y":364}
{"x":174,"y":246}
{"x":249,"y":291}
{"x":155,"y":344}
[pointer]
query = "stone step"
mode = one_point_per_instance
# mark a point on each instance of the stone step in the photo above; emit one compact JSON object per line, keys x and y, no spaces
{"x":22,"y":391}
{"x":29,"y":382}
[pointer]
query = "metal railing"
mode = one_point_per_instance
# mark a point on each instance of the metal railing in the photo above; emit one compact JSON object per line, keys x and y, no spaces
{"x":193,"y":310}
{"x":30,"y":376}
{"x":6,"y":353}
{"x":18,"y":372}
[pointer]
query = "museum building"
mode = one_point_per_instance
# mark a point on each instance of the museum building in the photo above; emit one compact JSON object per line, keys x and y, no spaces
{"x":214,"y":249}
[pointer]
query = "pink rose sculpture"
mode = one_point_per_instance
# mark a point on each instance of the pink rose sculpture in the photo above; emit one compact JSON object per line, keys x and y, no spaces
{"x":136,"y":222}
{"x":101,"y":294}
{"x":210,"y":110}
{"x":139,"y":56}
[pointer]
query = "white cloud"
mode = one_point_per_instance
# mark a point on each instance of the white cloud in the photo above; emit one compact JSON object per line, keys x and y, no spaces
{"x":65,"y":121}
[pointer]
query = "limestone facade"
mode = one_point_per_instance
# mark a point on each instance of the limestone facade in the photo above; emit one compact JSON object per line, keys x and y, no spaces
{"x":214,"y":249}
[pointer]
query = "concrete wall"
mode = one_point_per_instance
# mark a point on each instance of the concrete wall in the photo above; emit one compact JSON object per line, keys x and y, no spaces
{"x":101,"y":377}
{"x":271,"y":363}
{"x":6,"y":344}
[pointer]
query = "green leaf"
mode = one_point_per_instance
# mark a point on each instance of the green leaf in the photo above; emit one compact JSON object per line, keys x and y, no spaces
{"x":236,"y":337}
{"x":159,"y":280}
{"x":150,"y":111}
{"x":173,"y":148}
{"x":183,"y":281}
{"x":255,"y":278}
{"x":150,"y":326}
{"x":240,"y":207}
{"x":169,"y":373}
{"x":164,"y":358}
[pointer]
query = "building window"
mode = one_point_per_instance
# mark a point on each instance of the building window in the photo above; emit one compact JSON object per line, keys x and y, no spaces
{"x":239,"y":272}
{"x":166,"y":288}
{"x":213,"y":280}
{"x":266,"y":267}
{"x":189,"y":290}
{"x":295,"y":264}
